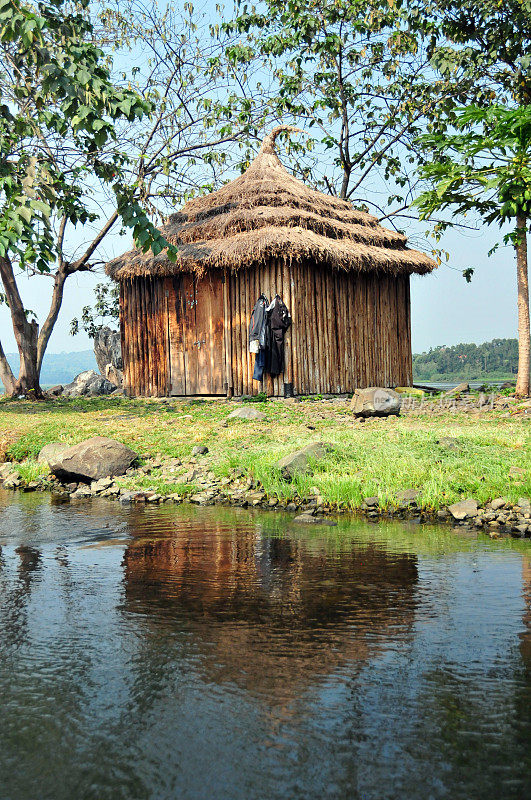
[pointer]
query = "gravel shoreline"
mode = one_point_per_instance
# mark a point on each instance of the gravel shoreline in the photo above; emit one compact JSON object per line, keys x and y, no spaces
{"x":497,"y":519}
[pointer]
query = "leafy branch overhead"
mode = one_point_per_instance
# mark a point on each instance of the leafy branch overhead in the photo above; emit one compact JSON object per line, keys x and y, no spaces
{"x":58,"y":98}
{"x":484,"y":166}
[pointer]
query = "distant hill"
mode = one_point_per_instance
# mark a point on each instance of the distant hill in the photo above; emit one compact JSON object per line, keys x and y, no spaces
{"x":60,"y":367}
{"x":495,"y":360}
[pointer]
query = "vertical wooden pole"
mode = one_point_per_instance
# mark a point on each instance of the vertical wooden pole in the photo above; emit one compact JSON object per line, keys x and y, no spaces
{"x":288,"y":339}
{"x":226,"y":333}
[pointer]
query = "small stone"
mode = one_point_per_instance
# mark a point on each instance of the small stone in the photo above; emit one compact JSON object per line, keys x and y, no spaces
{"x":524,"y":503}
{"x":112,"y":491}
{"x":408,"y":496}
{"x":299,"y":461}
{"x":139,"y":497}
{"x":175,"y":498}
{"x":463,"y":509}
{"x":522,"y":529}
{"x":81,"y":493}
{"x":257,"y":497}
{"x":7,"y":468}
{"x":247,"y":413}
{"x":499,"y":502}
{"x":127,"y":498}
{"x":200,"y":499}
{"x":199,"y":450}
{"x":450,"y":443}
{"x":101,"y":485}
{"x":292,"y":507}
{"x":462,"y":388}
{"x":371,"y":502}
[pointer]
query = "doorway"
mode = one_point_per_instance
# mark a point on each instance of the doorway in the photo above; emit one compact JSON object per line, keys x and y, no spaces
{"x":195,"y":334}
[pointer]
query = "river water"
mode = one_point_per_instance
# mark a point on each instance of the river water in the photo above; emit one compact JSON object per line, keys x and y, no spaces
{"x":187,"y":653}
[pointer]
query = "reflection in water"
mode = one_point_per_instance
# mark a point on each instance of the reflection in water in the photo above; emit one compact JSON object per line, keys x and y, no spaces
{"x":198,"y":653}
{"x":525,"y":636}
{"x":271,"y":614}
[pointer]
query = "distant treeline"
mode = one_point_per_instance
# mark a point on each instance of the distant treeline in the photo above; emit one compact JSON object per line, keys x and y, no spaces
{"x":492,"y":360}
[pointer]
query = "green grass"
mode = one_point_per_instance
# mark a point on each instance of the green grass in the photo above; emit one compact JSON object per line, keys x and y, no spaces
{"x":375,"y":458}
{"x":31,"y":470}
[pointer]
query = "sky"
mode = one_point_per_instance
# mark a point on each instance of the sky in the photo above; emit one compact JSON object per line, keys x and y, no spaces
{"x":445,"y":309}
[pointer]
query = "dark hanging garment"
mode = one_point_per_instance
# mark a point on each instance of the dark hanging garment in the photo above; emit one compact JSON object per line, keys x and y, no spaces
{"x":279,"y":321}
{"x":258,"y":336}
{"x":258,"y":324}
{"x":259,"y":364}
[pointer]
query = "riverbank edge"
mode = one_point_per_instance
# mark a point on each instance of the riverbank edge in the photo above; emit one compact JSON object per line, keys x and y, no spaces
{"x":497,"y":519}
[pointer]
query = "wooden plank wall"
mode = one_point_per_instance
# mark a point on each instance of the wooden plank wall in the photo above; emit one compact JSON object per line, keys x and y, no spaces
{"x":144,"y":333}
{"x":348,"y":330}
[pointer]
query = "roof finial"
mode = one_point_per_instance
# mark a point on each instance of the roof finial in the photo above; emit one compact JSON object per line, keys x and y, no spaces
{"x":268,"y":144}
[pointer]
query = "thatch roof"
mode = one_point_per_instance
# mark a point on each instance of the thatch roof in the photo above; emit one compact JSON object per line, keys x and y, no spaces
{"x":267,"y":213}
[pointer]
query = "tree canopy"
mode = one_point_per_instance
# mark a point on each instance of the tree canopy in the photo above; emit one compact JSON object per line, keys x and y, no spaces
{"x":83,"y":145}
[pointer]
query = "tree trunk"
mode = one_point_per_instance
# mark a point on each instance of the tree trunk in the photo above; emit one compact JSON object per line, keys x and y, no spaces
{"x":26,"y":337}
{"x":27,"y":383}
{"x":524,"y":336}
{"x":6,"y":373}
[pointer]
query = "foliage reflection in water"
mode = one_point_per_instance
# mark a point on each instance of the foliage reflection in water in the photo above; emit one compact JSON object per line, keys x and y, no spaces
{"x":206,"y":653}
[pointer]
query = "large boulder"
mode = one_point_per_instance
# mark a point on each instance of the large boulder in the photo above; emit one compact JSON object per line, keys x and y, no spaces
{"x":108,"y":352}
{"x":114,"y":375}
{"x":375,"y":402}
{"x":88,"y":384}
{"x":92,"y":459}
{"x":108,"y":349}
{"x":300,"y":460}
{"x":51,"y":452}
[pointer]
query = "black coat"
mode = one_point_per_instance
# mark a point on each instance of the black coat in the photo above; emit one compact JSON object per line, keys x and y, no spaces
{"x":279,"y":321}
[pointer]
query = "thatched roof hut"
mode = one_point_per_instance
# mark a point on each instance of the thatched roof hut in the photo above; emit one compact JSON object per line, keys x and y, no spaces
{"x":344,"y":278}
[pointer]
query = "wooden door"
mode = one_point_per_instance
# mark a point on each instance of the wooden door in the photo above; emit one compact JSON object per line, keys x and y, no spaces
{"x":195,"y":323}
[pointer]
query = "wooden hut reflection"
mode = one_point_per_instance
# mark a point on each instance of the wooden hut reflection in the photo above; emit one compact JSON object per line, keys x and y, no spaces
{"x":269,"y":610}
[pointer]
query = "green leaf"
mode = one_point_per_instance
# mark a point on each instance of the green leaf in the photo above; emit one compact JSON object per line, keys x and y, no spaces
{"x":25,"y":212}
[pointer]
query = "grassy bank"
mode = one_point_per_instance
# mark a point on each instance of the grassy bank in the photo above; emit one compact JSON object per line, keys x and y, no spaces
{"x":492,"y":456}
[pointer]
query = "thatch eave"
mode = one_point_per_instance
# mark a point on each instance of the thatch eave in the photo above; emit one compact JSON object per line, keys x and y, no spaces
{"x":252,"y":248}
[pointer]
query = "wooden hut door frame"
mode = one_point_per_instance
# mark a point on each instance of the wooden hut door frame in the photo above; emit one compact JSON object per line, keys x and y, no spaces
{"x":196,"y":328}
